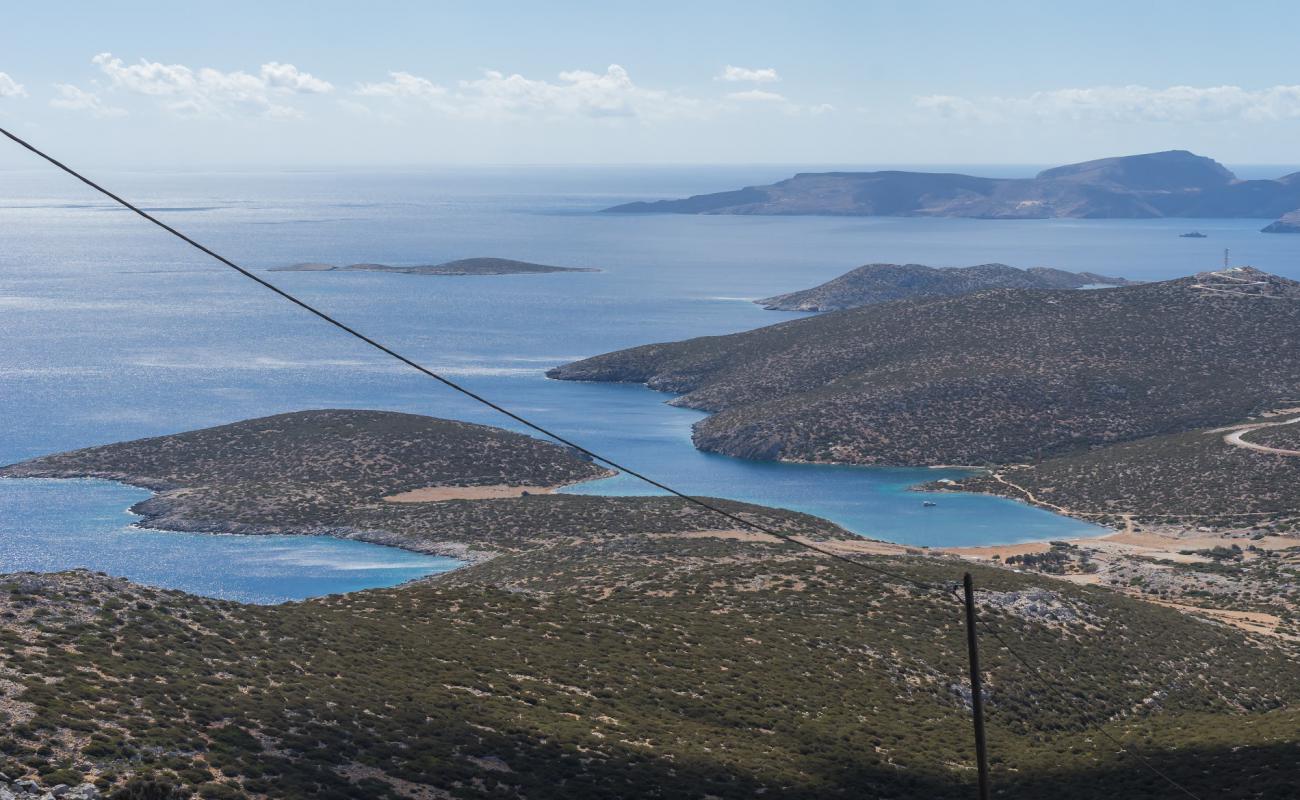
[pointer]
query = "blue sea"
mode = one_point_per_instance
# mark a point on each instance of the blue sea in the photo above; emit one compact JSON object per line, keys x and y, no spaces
{"x":111,"y":330}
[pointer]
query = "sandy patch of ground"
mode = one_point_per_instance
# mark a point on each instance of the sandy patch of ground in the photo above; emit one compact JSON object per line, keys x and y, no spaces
{"x":436,"y":494}
{"x":1002,"y":551}
{"x":1251,"y":621}
{"x":868,"y":546}
{"x":838,"y":546}
{"x":1155,"y":544}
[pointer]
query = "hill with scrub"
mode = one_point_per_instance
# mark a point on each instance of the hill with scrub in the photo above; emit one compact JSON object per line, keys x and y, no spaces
{"x":597,"y":647}
{"x":994,"y":377}
{"x":880,"y":283}
{"x":1228,"y":476}
{"x":1174,"y":183}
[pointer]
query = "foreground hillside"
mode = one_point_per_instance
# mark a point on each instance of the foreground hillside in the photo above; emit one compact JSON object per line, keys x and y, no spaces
{"x":609,"y":647}
{"x":995,"y":377}
{"x":1174,"y":183}
{"x":880,"y":283}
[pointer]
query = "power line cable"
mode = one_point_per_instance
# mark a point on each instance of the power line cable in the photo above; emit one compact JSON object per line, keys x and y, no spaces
{"x":459,"y":388}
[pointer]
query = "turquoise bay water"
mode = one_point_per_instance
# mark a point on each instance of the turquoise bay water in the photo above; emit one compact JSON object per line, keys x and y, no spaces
{"x":47,"y":526}
{"x":112,"y":331}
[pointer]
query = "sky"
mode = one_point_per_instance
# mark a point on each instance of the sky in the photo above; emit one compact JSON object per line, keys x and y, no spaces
{"x":263,"y":84}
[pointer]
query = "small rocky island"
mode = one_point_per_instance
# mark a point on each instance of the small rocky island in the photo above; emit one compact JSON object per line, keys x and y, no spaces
{"x":1287,"y":223}
{"x":880,"y":283}
{"x":464,"y":266}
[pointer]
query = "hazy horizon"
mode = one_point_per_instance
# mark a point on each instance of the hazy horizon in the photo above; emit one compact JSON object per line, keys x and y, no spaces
{"x":934,"y":83}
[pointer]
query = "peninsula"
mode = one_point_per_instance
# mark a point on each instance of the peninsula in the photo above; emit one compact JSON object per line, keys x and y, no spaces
{"x":1173,"y":183}
{"x":464,"y":266}
{"x":1001,"y":376}
{"x":597,"y":646}
{"x":880,"y":283}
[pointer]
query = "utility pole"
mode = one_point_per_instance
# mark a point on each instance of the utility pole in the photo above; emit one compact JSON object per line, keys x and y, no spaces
{"x":976,"y":690}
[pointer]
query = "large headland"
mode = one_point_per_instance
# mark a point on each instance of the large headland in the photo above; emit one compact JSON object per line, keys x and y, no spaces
{"x":1021,"y":379}
{"x":1174,"y":183}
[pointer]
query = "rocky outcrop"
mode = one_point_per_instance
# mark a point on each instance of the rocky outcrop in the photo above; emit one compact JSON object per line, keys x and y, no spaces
{"x":28,"y":789}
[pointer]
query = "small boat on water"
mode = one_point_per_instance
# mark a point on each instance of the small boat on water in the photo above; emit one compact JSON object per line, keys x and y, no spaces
{"x":929,"y":503}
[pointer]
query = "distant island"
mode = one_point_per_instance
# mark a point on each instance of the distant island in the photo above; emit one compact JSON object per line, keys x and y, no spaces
{"x":464,"y":266}
{"x":1288,"y":223}
{"x":879,"y":283}
{"x":1174,"y":183}
{"x":996,"y":377}
{"x":1192,"y":235}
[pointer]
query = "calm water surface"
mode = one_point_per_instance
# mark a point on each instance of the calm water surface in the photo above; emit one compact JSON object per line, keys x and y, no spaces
{"x":112,"y":331}
{"x":55,"y":525}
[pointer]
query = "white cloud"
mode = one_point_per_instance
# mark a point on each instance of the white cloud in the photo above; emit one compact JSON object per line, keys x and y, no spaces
{"x":211,"y":92}
{"x":758,"y":98}
{"x":10,"y":87}
{"x":74,"y":98}
{"x":403,"y":84}
{"x":1181,"y":104}
{"x":287,"y":76}
{"x":577,"y":94}
{"x":765,"y":75}
{"x":757,"y":95}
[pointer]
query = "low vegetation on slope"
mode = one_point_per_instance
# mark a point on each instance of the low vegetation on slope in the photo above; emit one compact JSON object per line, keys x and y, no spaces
{"x":995,"y":377}
{"x":1196,"y":478}
{"x":613,"y":647}
{"x":880,"y":283}
{"x":307,"y":467}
